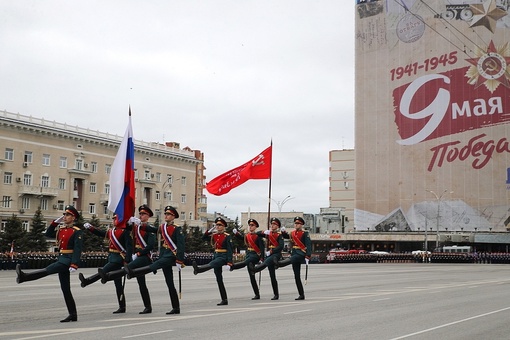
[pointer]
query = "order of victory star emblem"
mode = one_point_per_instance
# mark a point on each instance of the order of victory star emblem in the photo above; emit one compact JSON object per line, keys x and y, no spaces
{"x":490,"y":67}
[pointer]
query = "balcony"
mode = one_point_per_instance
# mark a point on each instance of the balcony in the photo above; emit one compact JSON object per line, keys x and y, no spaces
{"x":37,"y":191}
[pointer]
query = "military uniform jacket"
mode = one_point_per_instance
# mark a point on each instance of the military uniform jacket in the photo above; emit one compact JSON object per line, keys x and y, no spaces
{"x":254,"y":242}
{"x":222,"y":244}
{"x":274,"y":241}
{"x":69,"y":241}
{"x":120,"y":241}
{"x":173,"y":241}
{"x":144,"y":239}
{"x":301,"y":243}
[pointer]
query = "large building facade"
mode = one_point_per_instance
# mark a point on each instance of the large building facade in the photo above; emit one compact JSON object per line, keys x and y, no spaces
{"x":49,"y":165}
{"x":432,"y":115}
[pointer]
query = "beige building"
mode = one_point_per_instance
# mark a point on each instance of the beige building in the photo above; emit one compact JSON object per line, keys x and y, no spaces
{"x":342,"y":182}
{"x":432,"y":115}
{"x":49,"y":165}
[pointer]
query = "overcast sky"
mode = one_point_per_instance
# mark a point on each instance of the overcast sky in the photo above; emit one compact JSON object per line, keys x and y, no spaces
{"x":224,"y":77}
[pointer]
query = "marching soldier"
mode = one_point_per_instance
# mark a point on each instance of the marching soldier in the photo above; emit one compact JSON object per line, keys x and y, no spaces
{"x":301,"y":250}
{"x":120,"y":249}
{"x":254,"y":254}
{"x":222,"y":245}
{"x":144,"y":239}
{"x":172,"y":254}
{"x":274,"y":253}
{"x":69,"y":241}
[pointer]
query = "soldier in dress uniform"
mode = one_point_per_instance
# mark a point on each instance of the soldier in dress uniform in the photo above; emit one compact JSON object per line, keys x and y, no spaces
{"x":301,"y":250}
{"x":274,"y":253}
{"x":120,"y":249}
{"x":69,"y":240}
{"x":144,"y":239}
{"x":172,"y":254}
{"x":222,"y":245}
{"x":255,"y":252}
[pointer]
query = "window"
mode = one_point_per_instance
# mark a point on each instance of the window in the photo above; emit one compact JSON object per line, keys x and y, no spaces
{"x":107,"y":188}
{"x":158,"y":177}
{"x":46,"y":159}
{"x":28,"y":157}
{"x":6,"y":201}
{"x":93,"y":167}
{"x":62,"y":183}
{"x":27,"y":179}
{"x":9,"y":154}
{"x":2,"y":226}
{"x":158,"y":195}
{"x":168,"y":195}
{"x":7,"y":177}
{"x":183,"y":215}
{"x":136,"y":173}
{"x":60,"y":205}
{"x":105,"y":209}
{"x":44,"y":204}
{"x":25,"y":225}
{"x":93,"y":188}
{"x":183,"y":198}
{"x":169,"y":179}
{"x":147,"y":174}
{"x":190,"y":215}
{"x":107,"y":168}
{"x":63,"y":162}
{"x":25,"y":202}
{"x":183,"y":180}
{"x":78,"y":164}
{"x":45,"y":181}
{"x":92,"y":208}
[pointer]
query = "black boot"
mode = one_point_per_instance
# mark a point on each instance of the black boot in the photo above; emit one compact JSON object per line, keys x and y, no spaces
{"x":200,"y":269}
{"x":131,"y":273}
{"x":85,"y":281}
{"x":70,"y":318}
{"x":110,"y":276}
{"x":237,"y":265}
{"x":282,"y":263}
{"x":223,"y":294}
{"x":274,"y":284}
{"x":259,"y":267}
{"x":33,"y":275}
{"x":146,"y":298}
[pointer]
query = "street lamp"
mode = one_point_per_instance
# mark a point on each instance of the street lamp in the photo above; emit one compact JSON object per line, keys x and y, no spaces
{"x":438,"y":198}
{"x":282,"y":202}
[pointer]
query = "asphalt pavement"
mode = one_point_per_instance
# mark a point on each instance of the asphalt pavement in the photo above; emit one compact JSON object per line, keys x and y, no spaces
{"x":343,"y":301}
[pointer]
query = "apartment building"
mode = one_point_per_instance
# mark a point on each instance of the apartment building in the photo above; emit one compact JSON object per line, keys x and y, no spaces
{"x":48,"y":164}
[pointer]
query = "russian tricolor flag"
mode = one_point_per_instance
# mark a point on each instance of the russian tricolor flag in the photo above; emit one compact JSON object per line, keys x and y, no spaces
{"x":122,"y":179}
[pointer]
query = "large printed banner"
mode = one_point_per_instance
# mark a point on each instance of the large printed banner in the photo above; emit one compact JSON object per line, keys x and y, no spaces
{"x":433,"y":111}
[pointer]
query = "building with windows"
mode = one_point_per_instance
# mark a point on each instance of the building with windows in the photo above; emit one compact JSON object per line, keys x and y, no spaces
{"x":48,"y":164}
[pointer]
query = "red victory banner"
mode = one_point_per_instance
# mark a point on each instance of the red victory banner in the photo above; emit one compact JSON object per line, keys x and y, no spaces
{"x":257,"y":168}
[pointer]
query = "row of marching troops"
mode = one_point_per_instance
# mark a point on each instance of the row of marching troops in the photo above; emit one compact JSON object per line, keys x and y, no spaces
{"x":131,"y":245}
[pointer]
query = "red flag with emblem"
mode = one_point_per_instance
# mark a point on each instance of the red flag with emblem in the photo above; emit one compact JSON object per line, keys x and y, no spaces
{"x":257,"y":168}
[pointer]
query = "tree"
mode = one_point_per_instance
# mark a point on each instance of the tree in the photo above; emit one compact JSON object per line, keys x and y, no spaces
{"x":35,"y":239}
{"x":13,"y":232}
{"x":237,"y":243}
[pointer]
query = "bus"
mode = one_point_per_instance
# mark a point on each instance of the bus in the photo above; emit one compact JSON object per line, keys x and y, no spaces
{"x":457,"y":249}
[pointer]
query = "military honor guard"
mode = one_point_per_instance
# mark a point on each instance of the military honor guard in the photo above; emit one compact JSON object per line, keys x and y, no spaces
{"x":275,"y":245}
{"x":144,"y":241}
{"x":222,"y":245}
{"x":172,"y":254}
{"x":254,"y":254}
{"x":69,"y":241}
{"x":301,"y":252}
{"x":120,"y":249}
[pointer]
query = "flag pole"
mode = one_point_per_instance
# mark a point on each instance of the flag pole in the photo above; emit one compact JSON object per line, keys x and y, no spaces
{"x":270,"y":179}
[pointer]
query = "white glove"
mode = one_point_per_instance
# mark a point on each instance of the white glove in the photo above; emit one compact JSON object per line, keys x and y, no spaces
{"x":134,"y":220}
{"x":60,"y":219}
{"x":282,"y":229}
{"x":210,"y":231}
{"x":133,"y":257}
{"x":226,"y":267}
{"x":234,"y":231}
{"x":306,"y":261}
{"x":72,"y":270}
{"x":268,"y":252}
{"x":87,"y":225}
{"x":179,"y":266}
{"x":267,"y":232}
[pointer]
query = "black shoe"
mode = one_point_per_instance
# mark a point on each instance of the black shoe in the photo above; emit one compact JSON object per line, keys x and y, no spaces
{"x":195,"y":268}
{"x":276,"y":297}
{"x":300,"y":297}
{"x":146,"y":311}
{"x":256,"y":297}
{"x":223,"y":303}
{"x":174,"y":311}
{"x":19,"y":274}
{"x":82,"y":279}
{"x":120,"y":310}
{"x":70,"y":318}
